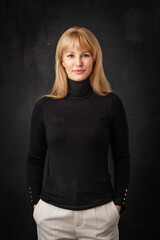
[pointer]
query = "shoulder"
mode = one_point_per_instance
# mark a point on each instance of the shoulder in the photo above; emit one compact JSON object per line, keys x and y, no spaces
{"x":115,"y":98}
{"x":42,"y":103}
{"x":39,"y":101}
{"x":117,"y":104}
{"x":38,"y":105}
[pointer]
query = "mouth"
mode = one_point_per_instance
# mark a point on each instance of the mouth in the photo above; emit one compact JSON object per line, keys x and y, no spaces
{"x":78,"y":71}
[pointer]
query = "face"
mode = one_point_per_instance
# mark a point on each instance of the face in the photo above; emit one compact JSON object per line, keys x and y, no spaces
{"x":78,"y":64}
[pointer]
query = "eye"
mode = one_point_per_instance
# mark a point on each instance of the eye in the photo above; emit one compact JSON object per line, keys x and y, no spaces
{"x":70,"y":55}
{"x":86,"y":55}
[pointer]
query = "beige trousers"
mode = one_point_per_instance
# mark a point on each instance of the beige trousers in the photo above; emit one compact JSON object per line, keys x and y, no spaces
{"x":55,"y":223}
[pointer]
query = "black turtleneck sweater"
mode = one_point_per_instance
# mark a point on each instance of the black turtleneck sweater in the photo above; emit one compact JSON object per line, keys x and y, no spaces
{"x":67,"y":163}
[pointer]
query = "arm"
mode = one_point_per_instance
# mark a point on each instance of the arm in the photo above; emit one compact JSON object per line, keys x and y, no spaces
{"x":36,"y":153}
{"x":120,"y":152}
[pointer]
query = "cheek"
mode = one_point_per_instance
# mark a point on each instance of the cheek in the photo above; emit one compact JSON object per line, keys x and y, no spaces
{"x":90,"y":64}
{"x":68,"y":65}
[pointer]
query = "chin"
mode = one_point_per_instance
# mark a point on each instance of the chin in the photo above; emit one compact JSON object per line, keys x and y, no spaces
{"x":78,"y":78}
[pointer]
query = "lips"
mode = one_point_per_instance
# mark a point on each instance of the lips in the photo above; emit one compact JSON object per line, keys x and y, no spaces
{"x":78,"y":71}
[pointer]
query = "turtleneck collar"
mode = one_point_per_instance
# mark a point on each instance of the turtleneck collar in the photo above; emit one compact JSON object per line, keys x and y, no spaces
{"x":79,"y":89}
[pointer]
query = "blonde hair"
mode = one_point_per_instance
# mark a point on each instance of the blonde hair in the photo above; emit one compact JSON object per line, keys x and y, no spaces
{"x":79,"y":37}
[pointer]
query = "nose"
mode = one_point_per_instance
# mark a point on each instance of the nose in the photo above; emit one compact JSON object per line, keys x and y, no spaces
{"x":78,"y":61}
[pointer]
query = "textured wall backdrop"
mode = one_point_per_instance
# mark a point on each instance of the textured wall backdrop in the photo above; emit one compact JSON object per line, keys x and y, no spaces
{"x":128,"y":32}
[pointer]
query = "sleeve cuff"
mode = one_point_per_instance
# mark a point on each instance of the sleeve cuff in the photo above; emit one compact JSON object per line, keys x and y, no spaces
{"x":121,"y":201}
{"x":32,"y":197}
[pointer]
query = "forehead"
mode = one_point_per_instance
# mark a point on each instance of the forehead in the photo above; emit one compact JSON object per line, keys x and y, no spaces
{"x":75,"y":50}
{"x":75,"y":44}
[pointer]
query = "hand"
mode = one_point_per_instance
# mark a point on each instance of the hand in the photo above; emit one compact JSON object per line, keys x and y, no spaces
{"x":118,"y":208}
{"x":34,"y":206}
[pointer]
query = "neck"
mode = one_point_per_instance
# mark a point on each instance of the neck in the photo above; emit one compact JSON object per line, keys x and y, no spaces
{"x":79,"y":89}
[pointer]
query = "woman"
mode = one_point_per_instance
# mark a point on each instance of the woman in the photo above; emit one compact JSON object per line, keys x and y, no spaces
{"x":68,"y":179}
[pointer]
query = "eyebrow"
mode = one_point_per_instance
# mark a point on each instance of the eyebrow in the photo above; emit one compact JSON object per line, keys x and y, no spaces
{"x":74,"y":52}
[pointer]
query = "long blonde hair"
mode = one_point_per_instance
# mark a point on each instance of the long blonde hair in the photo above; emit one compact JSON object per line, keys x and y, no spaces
{"x":79,"y":37}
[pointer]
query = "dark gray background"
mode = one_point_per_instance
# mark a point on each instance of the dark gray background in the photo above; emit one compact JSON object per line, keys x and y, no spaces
{"x":128,"y":32}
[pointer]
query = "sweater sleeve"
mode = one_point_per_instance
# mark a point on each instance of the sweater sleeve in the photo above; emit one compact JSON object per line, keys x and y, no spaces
{"x":120,"y":151}
{"x":37,"y":152}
